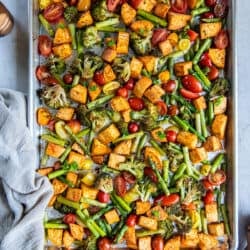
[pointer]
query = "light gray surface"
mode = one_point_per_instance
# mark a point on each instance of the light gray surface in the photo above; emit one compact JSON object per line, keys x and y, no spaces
{"x":14,"y":74}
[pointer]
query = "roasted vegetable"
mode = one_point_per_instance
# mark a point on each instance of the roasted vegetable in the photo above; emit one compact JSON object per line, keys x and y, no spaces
{"x":100,"y":11}
{"x":141,"y":45}
{"x":136,"y":168}
{"x":219,"y":87}
{"x":122,"y":68}
{"x":71,"y":14}
{"x":104,"y":183}
{"x":91,"y":63}
{"x":90,"y":37}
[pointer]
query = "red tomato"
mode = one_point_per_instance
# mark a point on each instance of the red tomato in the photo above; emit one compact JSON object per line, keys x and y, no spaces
{"x":103,"y":197}
{"x":128,"y":177}
{"x":192,"y":35}
{"x":57,"y":165}
{"x":133,"y":127}
{"x":50,"y":80}
{"x":120,"y":185}
{"x":75,"y":125}
{"x":220,"y":8}
{"x":104,"y":244}
{"x":169,"y":86}
{"x":188,"y":94}
{"x":42,"y":72}
{"x":72,"y":2}
{"x":207,"y":184}
{"x":44,"y":45}
{"x":53,"y":12}
{"x":69,"y":218}
{"x":51,"y":125}
{"x":149,"y":172}
{"x":167,"y":200}
{"x":162,"y":107}
{"x":112,"y":5}
{"x":221,"y":41}
{"x":157,"y":243}
{"x":191,"y":83}
{"x":213,"y":73}
{"x":210,"y":3}
{"x":122,"y":92}
{"x":99,"y":78}
{"x":171,"y":135}
{"x":135,"y":3}
{"x":190,"y":206}
{"x":179,"y":6}
{"x":208,"y":15}
{"x":68,"y":78}
{"x":205,"y":60}
{"x":136,"y":103}
{"x":173,"y":110}
{"x":131,"y":220}
{"x":159,"y":35}
{"x":217,"y":178}
{"x":129,"y":85}
{"x":209,"y":197}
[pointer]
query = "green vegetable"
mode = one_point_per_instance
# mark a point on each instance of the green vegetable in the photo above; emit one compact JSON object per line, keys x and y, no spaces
{"x":152,"y":18}
{"x":202,"y":76}
{"x":54,"y":140}
{"x":91,"y":63}
{"x":220,"y":87}
{"x":101,"y":212}
{"x":104,"y":183}
{"x":143,"y":232}
{"x":210,"y":20}
{"x":198,"y":122}
{"x":46,"y":25}
{"x":225,"y":218}
{"x":108,"y":22}
{"x":93,"y":202}
{"x":122,"y":68}
{"x":100,"y":101}
{"x":64,"y":209}
{"x":68,"y":203}
{"x":199,"y":11}
{"x":136,"y":168}
{"x":142,"y":142}
{"x":203,"y":221}
{"x":71,"y":14}
{"x":128,"y":137}
{"x":121,"y":233}
{"x":65,"y":154}
{"x":91,"y":37}
{"x":166,"y":171}
{"x":72,"y":30}
{"x":141,"y":45}
{"x":90,"y":243}
{"x":179,"y":173}
{"x":121,"y":210}
{"x":124,"y":205}
{"x":217,"y":162}
{"x":55,"y":225}
{"x":100,"y":11}
{"x":55,"y":65}
{"x":64,"y":180}
{"x":145,"y":188}
{"x":171,"y":66}
{"x":111,"y":29}
{"x":79,"y":42}
{"x":206,"y":45}
{"x":203,"y":124}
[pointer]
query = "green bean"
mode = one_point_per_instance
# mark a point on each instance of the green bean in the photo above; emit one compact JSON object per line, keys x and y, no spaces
{"x":202,"y":76}
{"x":206,"y":44}
{"x":152,"y":17}
{"x":217,"y":162}
{"x":210,"y":112}
{"x":44,"y":159}
{"x":197,"y":45}
{"x":157,"y":147}
{"x":79,"y":42}
{"x":64,"y":180}
{"x":93,"y":202}
{"x":111,"y":29}
{"x":118,"y":226}
{"x":121,"y":233}
{"x":135,"y":144}
{"x":203,"y":124}
{"x":203,"y":221}
{"x":196,"y":75}
{"x":142,"y":232}
{"x":198,"y":122}
{"x":184,"y":102}
{"x":179,"y":173}
{"x":199,"y":11}
{"x":102,"y":225}
{"x":171,"y":66}
{"x":166,"y":171}
{"x":187,"y":161}
{"x":122,"y":203}
{"x":225,"y":218}
{"x":128,"y":137}
{"x":54,"y":140}
{"x":72,"y":30}
{"x":101,"y":212}
{"x":82,"y":133}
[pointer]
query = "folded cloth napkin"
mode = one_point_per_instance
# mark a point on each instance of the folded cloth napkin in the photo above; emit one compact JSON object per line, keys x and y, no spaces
{"x":23,"y":193}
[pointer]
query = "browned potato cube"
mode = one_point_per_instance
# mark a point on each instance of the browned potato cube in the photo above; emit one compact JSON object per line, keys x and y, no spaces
{"x":123,"y":148}
{"x":112,"y":216}
{"x":76,"y":231}
{"x":148,"y":223}
{"x":187,"y":139}
{"x":220,"y":105}
{"x":142,"y":207}
{"x":208,"y":30}
{"x":198,"y":154}
{"x":74,"y":194}
{"x":148,"y":62}
{"x":54,"y":150}
{"x":130,"y":238}
{"x":52,"y":201}
{"x":94,"y":90}
{"x":135,"y":67}
{"x":77,"y":158}
{"x":122,"y":43}
{"x":154,"y":155}
{"x":166,"y":47}
{"x":62,"y":36}
{"x":65,"y":114}
{"x":85,"y":20}
{"x":58,"y":186}
{"x":127,"y":13}
{"x":157,"y":213}
{"x":144,"y":243}
{"x":115,"y":160}
{"x":141,"y":86}
{"x":173,"y":244}
{"x":89,"y":192}
{"x":159,"y":134}
{"x":63,"y":51}
{"x":72,"y":177}
{"x":211,"y":212}
{"x":109,"y":134}
{"x":126,"y":115}
{"x":99,"y":148}
{"x":119,"y":104}
{"x":190,"y":240}
{"x":182,"y":68}
{"x":219,"y":126}
{"x":207,"y":241}
{"x":216,"y":229}
{"x":108,"y":74}
{"x":78,"y":94}
{"x":154,"y":93}
{"x":109,"y":55}
{"x":45,"y":171}
{"x":147,"y":5}
{"x":43,"y":116}
{"x":212,"y":144}
{"x":142,"y":27}
{"x":161,"y":10}
{"x":200,"y":103}
{"x":55,"y":236}
{"x":218,"y":57}
{"x":177,"y":21}
{"x":67,"y":239}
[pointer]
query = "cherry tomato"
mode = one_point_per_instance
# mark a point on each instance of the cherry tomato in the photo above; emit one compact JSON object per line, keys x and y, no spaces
{"x":159,"y":35}
{"x":167,"y":200}
{"x":112,"y":5}
{"x":157,"y":243}
{"x":173,"y":110}
{"x":69,"y":218}
{"x":191,"y":83}
{"x":42,"y":72}
{"x":162,"y":107}
{"x":53,"y":12}
{"x":171,"y":135}
{"x":136,"y":103}
{"x":75,"y":125}
{"x":50,"y":80}
{"x":188,"y":94}
{"x":179,"y":6}
{"x":208,"y":15}
{"x":72,"y":2}
{"x":221,"y":41}
{"x":149,"y":172}
{"x":104,"y":244}
{"x":57,"y":165}
{"x":213,"y":73}
{"x":99,"y":78}
{"x":131,"y":220}
{"x":133,"y":127}
{"x":120,"y":185}
{"x":209,"y":197}
{"x":207,"y":184}
{"x":135,"y":3}
{"x":51,"y":125}
{"x":217,"y":178}
{"x":205,"y":60}
{"x":189,"y":206}
{"x":192,"y":35}
{"x":44,"y":45}
{"x":103,"y":197}
{"x":210,"y":3}
{"x":220,"y":8}
{"x":68,"y":78}
{"x":169,"y":86}
{"x":129,"y":85}
{"x":128,"y":177}
{"x":122,"y":92}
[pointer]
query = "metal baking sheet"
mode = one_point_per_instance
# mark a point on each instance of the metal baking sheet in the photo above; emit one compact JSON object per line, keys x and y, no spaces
{"x":232,"y":130}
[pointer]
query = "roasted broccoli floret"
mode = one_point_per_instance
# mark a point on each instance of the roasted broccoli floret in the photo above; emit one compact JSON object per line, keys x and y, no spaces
{"x":99,"y":119}
{"x":141,"y":45}
{"x":54,"y":96}
{"x":168,"y":228}
{"x":55,"y":65}
{"x":114,"y":115}
{"x":160,"y":64}
{"x":91,"y":37}
{"x":76,"y":67}
{"x":185,"y":113}
{"x":104,"y":183}
{"x":82,"y":114}
{"x":63,"y":208}
{"x":91,"y":63}
{"x":219,"y":87}
{"x":90,"y":243}
{"x":145,"y":189}
{"x":134,"y":167}
{"x":100,"y":11}
{"x":71,"y":14}
{"x":121,"y":67}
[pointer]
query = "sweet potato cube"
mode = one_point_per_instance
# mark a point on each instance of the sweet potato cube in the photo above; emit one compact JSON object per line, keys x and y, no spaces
{"x":126,"y":115}
{"x":216,"y":229}
{"x":220,"y":105}
{"x":52,"y":200}
{"x":154,"y":93}
{"x":127,"y":13}
{"x":161,"y":10}
{"x":153,"y":154}
{"x":84,"y":20}
{"x":55,"y":236}
{"x":147,"y":5}
{"x":115,"y":160}
{"x":94,"y":90}
{"x":43,"y":116}
{"x":112,"y":216}
{"x":142,"y":207}
{"x":122,"y":43}
{"x":212,"y":144}
{"x":99,"y":148}
{"x":187,"y":139}
{"x":109,"y":55}
{"x":63,"y":51}
{"x":198,"y":154}
{"x":67,"y":239}
{"x":157,"y":213}
{"x":141,"y":86}
{"x":173,"y":244}
{"x":108,"y":74}
{"x":148,"y":223}
{"x":83,"y":5}
{"x":144,"y":243}
{"x":142,"y":27}
{"x":109,"y":134}
{"x":207,"y":241}
{"x":77,"y":158}
{"x":119,"y":104}
{"x":218,"y":57}
{"x":136,"y":67}
{"x":76,"y":231}
{"x":192,"y":4}
{"x":190,"y":239}
{"x":166,"y":47}
{"x":62,"y":36}
{"x":130,"y":238}
{"x":177,"y":21}
{"x":45,"y":171}
{"x":148,"y":62}
{"x":58,"y":186}
{"x":159,"y":134}
{"x":72,"y":177}
{"x":219,"y":126}
{"x":208,"y":30}
{"x":54,"y":150}
{"x":211,"y":212}
{"x":74,"y":194}
{"x":78,"y":93}
{"x":123,"y":148}
{"x":89,"y":192}
{"x":200,"y":103}
{"x":65,"y":114}
{"x":182,"y":68}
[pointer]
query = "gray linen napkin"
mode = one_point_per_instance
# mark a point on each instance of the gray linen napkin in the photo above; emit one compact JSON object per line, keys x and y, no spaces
{"x":23,"y":193}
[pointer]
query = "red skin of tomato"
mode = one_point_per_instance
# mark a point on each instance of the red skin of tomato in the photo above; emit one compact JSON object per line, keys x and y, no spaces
{"x":123,"y":92}
{"x":44,"y":45}
{"x":207,"y":184}
{"x":103,"y":197}
{"x":192,"y":35}
{"x":99,"y":78}
{"x":179,"y":6}
{"x":112,"y":4}
{"x":104,"y":244}
{"x":135,"y":3}
{"x":213,"y":73}
{"x":205,"y":60}
{"x":161,"y":107}
{"x":136,"y":103}
{"x":53,"y":12}
{"x":191,"y":83}
{"x":129,"y":85}
{"x":169,"y":86}
{"x":221,"y":41}
{"x":208,"y":15}
{"x":131,"y":220}
{"x":220,"y":8}
{"x":69,"y":218}
{"x":209,"y":197}
{"x":157,"y":243}
{"x":188,"y":207}
{"x":75,"y":125}
{"x":42,"y":72}
{"x":72,"y":2}
{"x":128,"y":177}
{"x":173,"y":110}
{"x":171,"y":135}
{"x":210,"y":3}
{"x":133,"y":127}
{"x":217,"y":178}
{"x":188,"y":94}
{"x":120,"y":185}
{"x":51,"y":125}
{"x":68,"y":78}
{"x":159,"y":35}
{"x":167,"y":200}
{"x":148,"y":171}
{"x":50,"y":80}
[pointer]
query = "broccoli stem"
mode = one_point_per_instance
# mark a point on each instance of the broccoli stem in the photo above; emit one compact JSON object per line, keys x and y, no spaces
{"x":210,"y":112}
{"x":166,"y":171}
{"x":93,"y":202}
{"x":129,"y":137}
{"x":46,"y":25}
{"x":198,"y":122}
{"x":79,"y":42}
{"x":100,"y":101}
{"x":101,"y":212}
{"x":217,"y":162}
{"x":203,"y":221}
{"x":111,"y":29}
{"x":72,"y":30}
{"x":225,"y":218}
{"x":54,"y":140}
{"x":157,"y":147}
{"x":142,"y":142}
{"x":83,"y":133}
{"x":203,"y":124}
{"x":210,"y":20}
{"x":65,"y":154}
{"x":142,"y":232}
{"x":121,"y":233}
{"x":55,"y":225}
{"x":199,"y":11}
{"x":206,"y":44}
{"x":152,"y":17}
{"x":108,"y":22}
{"x":68,"y":203}
{"x":202,"y":76}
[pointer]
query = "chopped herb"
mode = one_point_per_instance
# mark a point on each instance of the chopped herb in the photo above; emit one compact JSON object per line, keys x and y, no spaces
{"x":156,"y":213}
{"x":156,"y":81}
{"x":110,"y":43}
{"x":161,"y":135}
{"x":92,"y":88}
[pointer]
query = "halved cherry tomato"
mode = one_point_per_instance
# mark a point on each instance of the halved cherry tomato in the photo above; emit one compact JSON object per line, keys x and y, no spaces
{"x":213,"y":73}
{"x":75,"y":125}
{"x":51,"y":125}
{"x":128,"y":177}
{"x":167,"y":200}
{"x":208,"y":15}
{"x":129,"y":85}
{"x":131,"y":220}
{"x":149,"y":172}
{"x":171,"y":135}
{"x":120,"y":185}
{"x":207,"y":184}
{"x":220,"y":8}
{"x":192,"y":35}
{"x":44,"y":45}
{"x":210,"y":3}
{"x":42,"y":72}
{"x":217,"y":178}
{"x":191,"y":83}
{"x":221,"y":41}
{"x":103,"y":197}
{"x":169,"y":86}
{"x":50,"y":80}
{"x":53,"y":12}
{"x":99,"y":78}
{"x":104,"y":243}
{"x":112,"y":5}
{"x":179,"y":6}
{"x":68,"y":78}
{"x":162,"y":107}
{"x":69,"y":218}
{"x":159,"y":35}
{"x":188,"y":94}
{"x":173,"y":110}
{"x":136,"y":103}
{"x":57,"y":165}
{"x":157,"y":243}
{"x":209,"y":197}
{"x":72,"y":2}
{"x":205,"y":60}
{"x":133,"y":127}
{"x":123,"y":92}
{"x":189,"y":206}
{"x":135,"y":3}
